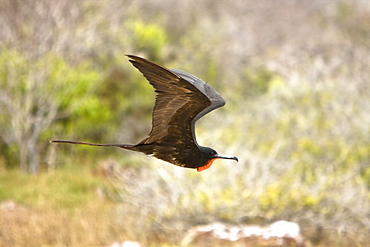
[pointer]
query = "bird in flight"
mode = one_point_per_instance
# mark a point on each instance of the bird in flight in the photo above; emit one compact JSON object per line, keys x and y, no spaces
{"x":180,"y":101}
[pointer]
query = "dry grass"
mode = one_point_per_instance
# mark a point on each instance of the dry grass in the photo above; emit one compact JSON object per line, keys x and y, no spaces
{"x":70,"y":207}
{"x":90,"y":226}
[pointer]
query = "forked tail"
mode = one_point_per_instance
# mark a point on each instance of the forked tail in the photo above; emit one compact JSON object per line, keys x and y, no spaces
{"x":126,"y":146}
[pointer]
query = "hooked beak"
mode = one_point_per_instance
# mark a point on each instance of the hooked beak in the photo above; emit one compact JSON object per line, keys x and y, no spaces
{"x":218,"y":156}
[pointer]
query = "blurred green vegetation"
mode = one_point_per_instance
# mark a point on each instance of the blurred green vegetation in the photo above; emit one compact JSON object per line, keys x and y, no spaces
{"x":148,"y":38}
{"x":294,"y":77}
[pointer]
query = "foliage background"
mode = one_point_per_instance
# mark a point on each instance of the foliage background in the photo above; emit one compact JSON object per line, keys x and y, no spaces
{"x":295,"y":78}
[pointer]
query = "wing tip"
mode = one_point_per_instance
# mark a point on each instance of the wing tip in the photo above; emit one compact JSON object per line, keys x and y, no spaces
{"x":133,"y":57}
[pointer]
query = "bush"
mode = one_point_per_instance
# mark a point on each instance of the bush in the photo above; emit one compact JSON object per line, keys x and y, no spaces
{"x":34,"y":94}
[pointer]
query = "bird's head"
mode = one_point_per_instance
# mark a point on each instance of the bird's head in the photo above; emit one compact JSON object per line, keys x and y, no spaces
{"x":208,"y":155}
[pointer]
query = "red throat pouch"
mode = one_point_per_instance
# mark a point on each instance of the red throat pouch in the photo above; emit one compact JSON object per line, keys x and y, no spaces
{"x":205,"y":167}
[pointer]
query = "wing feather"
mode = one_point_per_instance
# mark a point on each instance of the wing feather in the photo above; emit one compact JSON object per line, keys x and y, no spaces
{"x":181,"y":99}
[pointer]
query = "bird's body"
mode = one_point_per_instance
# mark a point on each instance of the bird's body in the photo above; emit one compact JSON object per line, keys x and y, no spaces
{"x":181,"y":100}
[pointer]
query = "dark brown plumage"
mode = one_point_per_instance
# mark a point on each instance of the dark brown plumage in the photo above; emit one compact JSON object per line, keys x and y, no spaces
{"x":181,"y":100}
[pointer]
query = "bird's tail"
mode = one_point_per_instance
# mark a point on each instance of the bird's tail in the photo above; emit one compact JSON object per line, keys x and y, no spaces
{"x":125,"y":146}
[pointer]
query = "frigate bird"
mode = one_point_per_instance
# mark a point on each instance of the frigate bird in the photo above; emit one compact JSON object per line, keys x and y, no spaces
{"x":180,"y":101}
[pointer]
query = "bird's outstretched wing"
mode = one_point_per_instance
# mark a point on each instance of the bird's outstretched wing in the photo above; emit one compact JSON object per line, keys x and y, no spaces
{"x":181,"y":100}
